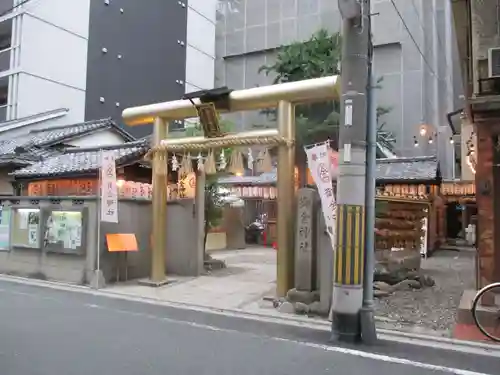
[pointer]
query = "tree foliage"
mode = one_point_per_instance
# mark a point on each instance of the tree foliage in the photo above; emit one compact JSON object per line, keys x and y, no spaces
{"x":213,"y":206}
{"x":214,"y":198}
{"x":319,"y":56}
{"x":196,"y":129}
{"x":316,"y":57}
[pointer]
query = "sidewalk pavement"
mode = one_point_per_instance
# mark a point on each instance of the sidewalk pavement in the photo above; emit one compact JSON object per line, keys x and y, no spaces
{"x":250,"y":275}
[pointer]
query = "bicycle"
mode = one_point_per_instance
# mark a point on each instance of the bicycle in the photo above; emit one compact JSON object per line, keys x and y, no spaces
{"x":492,"y":328}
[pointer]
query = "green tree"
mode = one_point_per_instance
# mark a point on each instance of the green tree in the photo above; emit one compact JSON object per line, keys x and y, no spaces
{"x":316,"y":57}
{"x":214,"y":202}
{"x":196,"y":130}
{"x":214,"y":199}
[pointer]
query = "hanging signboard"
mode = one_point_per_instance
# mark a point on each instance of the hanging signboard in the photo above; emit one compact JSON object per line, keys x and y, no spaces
{"x":109,"y":191}
{"x":319,"y":164}
{"x":187,"y":186}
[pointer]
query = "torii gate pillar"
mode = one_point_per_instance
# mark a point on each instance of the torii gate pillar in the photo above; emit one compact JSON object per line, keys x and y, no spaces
{"x":284,"y":97}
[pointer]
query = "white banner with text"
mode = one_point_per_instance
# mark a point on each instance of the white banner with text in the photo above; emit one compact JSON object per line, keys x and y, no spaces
{"x":318,"y":160}
{"x":109,"y":190}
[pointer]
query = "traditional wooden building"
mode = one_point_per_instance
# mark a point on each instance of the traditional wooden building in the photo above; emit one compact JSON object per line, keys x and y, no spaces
{"x":74,"y":171}
{"x":461,"y":207}
{"x":414,"y":179}
{"x":43,"y":146}
{"x":410,"y":180}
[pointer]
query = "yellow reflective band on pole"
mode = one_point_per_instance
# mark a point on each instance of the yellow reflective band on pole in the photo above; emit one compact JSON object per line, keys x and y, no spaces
{"x":349,"y":256}
{"x":340,"y":245}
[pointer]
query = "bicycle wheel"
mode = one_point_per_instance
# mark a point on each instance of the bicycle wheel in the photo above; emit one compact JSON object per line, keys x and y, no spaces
{"x":487,"y":319}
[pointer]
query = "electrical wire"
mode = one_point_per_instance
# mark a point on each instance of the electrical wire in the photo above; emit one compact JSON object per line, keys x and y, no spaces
{"x":441,"y":44}
{"x":413,"y":39}
{"x":422,"y":115}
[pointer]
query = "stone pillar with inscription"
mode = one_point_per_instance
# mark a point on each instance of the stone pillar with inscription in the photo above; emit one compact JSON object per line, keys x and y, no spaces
{"x":305,"y":260}
{"x":313,"y":284}
{"x":311,"y":241}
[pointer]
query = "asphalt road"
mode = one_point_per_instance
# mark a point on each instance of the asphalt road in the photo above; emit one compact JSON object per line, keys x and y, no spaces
{"x":52,"y":332}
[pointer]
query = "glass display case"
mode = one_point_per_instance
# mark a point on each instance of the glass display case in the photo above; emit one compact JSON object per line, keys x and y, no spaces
{"x":5,"y":215}
{"x":54,"y":230}
{"x":63,"y":231}
{"x":25,"y":232}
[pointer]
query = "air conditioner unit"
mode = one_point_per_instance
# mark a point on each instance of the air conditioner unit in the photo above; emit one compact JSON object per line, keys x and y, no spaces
{"x":494,"y":62}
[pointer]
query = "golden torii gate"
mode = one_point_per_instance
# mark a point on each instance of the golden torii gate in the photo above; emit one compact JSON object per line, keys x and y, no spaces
{"x":284,"y":97}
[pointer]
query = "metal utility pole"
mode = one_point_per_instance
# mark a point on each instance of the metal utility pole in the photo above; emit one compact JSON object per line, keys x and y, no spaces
{"x":367,"y":313}
{"x":347,"y":299}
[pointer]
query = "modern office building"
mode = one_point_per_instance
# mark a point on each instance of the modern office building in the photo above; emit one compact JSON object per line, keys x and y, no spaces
{"x":93,"y":58}
{"x":415,"y":54}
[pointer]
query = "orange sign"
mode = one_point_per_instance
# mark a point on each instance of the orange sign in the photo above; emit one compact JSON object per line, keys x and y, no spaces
{"x":121,"y":242}
{"x":61,"y":187}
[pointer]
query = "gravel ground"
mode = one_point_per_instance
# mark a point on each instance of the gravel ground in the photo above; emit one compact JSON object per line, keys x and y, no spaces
{"x":430,"y":310}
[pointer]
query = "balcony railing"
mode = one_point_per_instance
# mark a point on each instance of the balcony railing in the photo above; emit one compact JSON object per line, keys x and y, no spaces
{"x":5,"y":59}
{"x":3,"y":112}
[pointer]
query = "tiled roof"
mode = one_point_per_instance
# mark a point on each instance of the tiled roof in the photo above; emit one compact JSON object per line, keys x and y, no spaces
{"x":81,"y":160}
{"x":6,"y":126}
{"x":35,"y":145}
{"x":423,"y":168}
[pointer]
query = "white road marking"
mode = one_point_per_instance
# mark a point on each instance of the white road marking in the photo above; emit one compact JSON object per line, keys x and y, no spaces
{"x":484,"y":349}
{"x":386,"y":358}
{"x":328,"y":348}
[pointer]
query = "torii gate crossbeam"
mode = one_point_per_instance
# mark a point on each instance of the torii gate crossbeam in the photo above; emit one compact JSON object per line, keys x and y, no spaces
{"x":284,"y":97}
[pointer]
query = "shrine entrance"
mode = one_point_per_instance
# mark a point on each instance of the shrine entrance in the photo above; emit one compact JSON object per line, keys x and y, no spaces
{"x":206,"y":106}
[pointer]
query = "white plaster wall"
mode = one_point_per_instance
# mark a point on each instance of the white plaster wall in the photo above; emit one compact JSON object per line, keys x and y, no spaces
{"x":72,"y":16}
{"x":53,"y":54}
{"x":9,"y":130}
{"x":206,"y":8}
{"x":53,"y":58}
{"x":101,"y":138}
{"x":37,"y":95}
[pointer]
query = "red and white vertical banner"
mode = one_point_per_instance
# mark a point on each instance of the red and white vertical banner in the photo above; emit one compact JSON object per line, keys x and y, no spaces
{"x":109,"y":190}
{"x":319,"y":163}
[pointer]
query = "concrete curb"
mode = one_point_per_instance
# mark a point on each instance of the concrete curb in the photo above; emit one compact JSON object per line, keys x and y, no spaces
{"x":479,"y":348}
